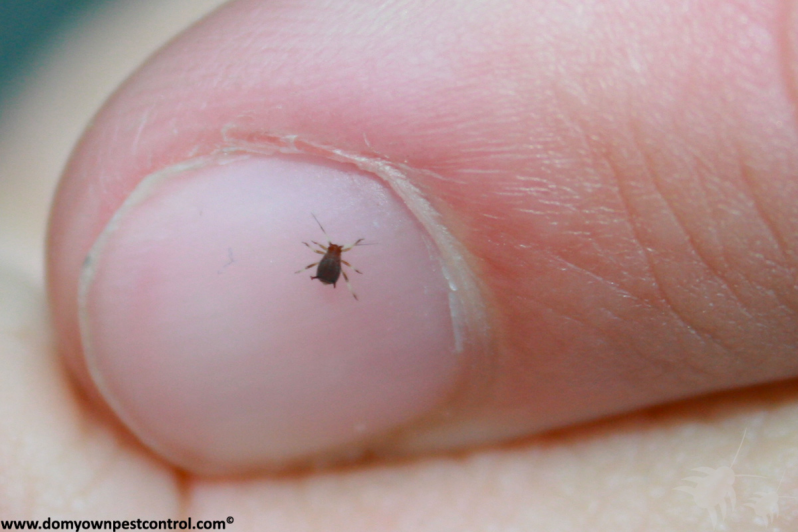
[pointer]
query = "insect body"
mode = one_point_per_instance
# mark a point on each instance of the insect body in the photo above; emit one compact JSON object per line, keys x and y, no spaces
{"x":329,"y":267}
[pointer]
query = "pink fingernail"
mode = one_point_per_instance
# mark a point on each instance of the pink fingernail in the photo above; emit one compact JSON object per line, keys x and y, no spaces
{"x":220,"y":357}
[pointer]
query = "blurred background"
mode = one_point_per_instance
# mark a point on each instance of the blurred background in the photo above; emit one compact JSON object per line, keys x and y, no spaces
{"x":24,"y":26}
{"x":59,"y":60}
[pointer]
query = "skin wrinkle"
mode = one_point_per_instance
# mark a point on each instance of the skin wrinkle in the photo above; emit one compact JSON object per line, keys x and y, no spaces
{"x":667,"y":367}
{"x":723,"y":268}
{"x":771,"y":226}
{"x":693,"y":331}
{"x":610,"y":336}
{"x":625,"y":201}
{"x":602,"y":280}
{"x":717,"y":273}
{"x":573,"y":316}
{"x":692,"y":243}
{"x":772,"y":236}
{"x":792,"y":307}
{"x":694,"y":246}
{"x":778,"y":242}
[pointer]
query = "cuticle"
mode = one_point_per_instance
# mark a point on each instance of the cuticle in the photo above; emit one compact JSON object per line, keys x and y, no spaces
{"x":472,"y":335}
{"x":397,"y":177}
{"x":467,"y":306}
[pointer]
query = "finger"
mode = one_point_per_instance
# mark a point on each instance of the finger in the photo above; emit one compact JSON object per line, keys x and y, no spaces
{"x":558,"y":482}
{"x":54,"y":459}
{"x":593,"y":262}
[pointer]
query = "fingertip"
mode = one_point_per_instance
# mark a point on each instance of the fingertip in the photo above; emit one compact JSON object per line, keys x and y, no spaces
{"x":201,"y":338}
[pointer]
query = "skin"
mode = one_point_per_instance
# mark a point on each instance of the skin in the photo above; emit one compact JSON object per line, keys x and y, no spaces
{"x":624,"y":183}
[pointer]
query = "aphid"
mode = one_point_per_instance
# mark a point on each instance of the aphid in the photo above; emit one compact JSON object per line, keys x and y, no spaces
{"x":715,"y":491}
{"x":329,"y":267}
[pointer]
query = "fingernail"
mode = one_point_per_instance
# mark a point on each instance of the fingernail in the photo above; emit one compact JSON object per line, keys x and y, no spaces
{"x":217,"y":355}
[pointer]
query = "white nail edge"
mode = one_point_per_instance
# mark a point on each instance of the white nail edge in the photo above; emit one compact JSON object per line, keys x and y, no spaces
{"x":468,"y":310}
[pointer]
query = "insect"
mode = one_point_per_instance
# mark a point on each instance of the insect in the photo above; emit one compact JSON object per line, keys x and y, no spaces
{"x":712,"y":492}
{"x":715,"y":491}
{"x":329,"y":267}
{"x":766,"y":502}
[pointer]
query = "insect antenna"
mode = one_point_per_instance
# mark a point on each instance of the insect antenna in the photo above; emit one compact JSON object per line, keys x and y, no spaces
{"x":321,"y":227}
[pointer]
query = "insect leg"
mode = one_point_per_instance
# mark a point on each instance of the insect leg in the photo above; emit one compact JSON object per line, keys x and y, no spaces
{"x":315,"y":250}
{"x":320,"y":226}
{"x":349,"y":285}
{"x":309,"y":267}
{"x":359,"y":240}
{"x":344,"y":262}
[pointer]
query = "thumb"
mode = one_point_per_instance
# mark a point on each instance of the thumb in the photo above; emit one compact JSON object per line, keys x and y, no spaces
{"x":559,"y":235}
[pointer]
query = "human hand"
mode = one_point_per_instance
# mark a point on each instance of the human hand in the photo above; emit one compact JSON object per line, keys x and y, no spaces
{"x":622,"y":222}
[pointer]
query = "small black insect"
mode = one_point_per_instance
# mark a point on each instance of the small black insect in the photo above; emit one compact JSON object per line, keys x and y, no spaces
{"x":329,"y":267}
